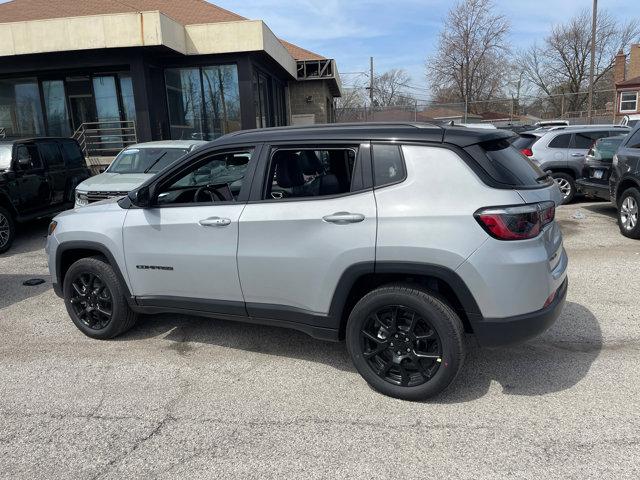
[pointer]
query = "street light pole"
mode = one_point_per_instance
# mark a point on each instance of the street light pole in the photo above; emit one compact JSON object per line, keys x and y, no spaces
{"x":593,"y":58}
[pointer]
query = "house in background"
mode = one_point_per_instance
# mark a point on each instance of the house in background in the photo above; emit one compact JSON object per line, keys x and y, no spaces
{"x":141,"y":70}
{"x":627,"y":80}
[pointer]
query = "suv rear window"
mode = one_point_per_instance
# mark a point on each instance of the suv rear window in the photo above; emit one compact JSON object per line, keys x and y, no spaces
{"x":525,"y":141}
{"x":506,"y":165}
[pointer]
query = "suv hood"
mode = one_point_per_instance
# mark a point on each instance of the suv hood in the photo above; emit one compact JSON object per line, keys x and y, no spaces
{"x":114,"y":182}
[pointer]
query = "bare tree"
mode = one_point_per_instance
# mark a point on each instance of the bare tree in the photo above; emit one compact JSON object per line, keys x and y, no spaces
{"x":559,"y":68}
{"x":471,"y":62}
{"x":389,"y":89}
{"x":350,"y":106}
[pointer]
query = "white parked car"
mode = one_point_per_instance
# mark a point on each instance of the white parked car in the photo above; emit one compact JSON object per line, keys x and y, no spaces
{"x":131,"y":168}
{"x":630,"y":120}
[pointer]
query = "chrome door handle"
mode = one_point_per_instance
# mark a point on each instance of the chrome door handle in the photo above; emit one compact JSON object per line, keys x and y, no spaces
{"x":343,"y":218}
{"x":215,"y":222}
{"x":577,"y":155}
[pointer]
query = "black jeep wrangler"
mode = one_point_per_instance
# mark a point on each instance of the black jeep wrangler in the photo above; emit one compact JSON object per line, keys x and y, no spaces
{"x":37,"y":179}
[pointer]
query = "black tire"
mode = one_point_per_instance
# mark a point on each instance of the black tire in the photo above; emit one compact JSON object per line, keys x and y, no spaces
{"x":567,"y":185}
{"x":7,"y":230}
{"x":92,"y":321}
{"x":446,"y":332}
{"x":629,"y":214}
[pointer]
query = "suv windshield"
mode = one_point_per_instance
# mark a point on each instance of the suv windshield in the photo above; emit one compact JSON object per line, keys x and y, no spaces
{"x":5,"y":156}
{"x":145,"y":160}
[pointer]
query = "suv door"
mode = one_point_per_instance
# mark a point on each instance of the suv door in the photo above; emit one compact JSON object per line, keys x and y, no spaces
{"x":312,"y":216}
{"x":181,"y":252}
{"x":56,"y":172}
{"x":30,"y":185}
{"x":75,"y":166}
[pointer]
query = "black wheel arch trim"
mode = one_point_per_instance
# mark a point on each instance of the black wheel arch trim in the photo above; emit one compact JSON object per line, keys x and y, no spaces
{"x":91,"y":246}
{"x":446,"y":275}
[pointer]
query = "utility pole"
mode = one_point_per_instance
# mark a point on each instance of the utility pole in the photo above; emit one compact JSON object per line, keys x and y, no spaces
{"x":371,"y":80}
{"x":593,"y":58}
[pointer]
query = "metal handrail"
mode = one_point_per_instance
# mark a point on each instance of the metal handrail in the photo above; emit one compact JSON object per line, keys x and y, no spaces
{"x":105,"y":138}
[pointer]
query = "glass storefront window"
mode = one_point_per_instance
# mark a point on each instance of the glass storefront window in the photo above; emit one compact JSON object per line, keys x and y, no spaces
{"x":128,"y":103}
{"x":222,"y":100}
{"x":184,"y":97}
{"x":20,"y":107}
{"x":262,"y":101}
{"x":55,"y":104}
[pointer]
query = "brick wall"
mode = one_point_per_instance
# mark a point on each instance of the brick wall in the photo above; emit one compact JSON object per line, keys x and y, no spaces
{"x":311,"y":97}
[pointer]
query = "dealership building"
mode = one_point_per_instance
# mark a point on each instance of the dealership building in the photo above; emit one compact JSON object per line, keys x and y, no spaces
{"x":112,"y":72}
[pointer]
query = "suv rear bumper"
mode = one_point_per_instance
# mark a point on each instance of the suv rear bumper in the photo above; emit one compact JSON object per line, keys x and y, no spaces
{"x":598,"y":190}
{"x":505,"y":331}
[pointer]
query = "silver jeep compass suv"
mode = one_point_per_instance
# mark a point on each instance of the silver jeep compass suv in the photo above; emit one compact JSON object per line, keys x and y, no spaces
{"x":398,"y":238}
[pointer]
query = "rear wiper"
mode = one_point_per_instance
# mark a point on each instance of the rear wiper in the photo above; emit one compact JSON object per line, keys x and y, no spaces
{"x":154,"y":163}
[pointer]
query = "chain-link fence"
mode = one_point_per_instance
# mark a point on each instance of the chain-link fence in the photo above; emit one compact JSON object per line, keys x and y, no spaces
{"x":500,"y":112}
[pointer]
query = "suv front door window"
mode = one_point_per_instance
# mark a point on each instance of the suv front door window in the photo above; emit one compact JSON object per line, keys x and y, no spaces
{"x":182,"y":250}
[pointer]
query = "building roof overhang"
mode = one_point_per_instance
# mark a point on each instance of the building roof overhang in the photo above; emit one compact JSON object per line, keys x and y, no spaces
{"x":142,"y":29}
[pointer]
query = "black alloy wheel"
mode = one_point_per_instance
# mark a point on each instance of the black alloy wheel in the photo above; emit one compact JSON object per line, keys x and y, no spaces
{"x":91,"y":300}
{"x":401,"y":346}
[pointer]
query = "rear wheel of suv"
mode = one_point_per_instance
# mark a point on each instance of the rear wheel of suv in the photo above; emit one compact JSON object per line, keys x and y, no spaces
{"x":95,"y":299}
{"x":567,"y":185}
{"x":628,"y":213}
{"x":406,"y":342}
{"x":7,"y":230}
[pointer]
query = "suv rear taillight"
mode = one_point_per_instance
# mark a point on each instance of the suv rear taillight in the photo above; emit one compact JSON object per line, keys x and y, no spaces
{"x":527,"y":152}
{"x":517,"y":222}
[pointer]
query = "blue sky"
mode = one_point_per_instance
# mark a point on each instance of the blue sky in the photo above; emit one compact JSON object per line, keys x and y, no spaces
{"x":399,"y":33}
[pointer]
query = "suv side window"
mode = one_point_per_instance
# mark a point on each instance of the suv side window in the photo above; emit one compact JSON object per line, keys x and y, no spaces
{"x":50,"y":153}
{"x":310,"y":172}
{"x":561,"y":141}
{"x":30,"y":153}
{"x":634,"y":141}
{"x":215,"y":178}
{"x":73,"y":157}
{"x":585,"y":140}
{"x":388,"y":165}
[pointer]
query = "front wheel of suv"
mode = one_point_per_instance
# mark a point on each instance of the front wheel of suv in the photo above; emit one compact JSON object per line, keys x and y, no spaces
{"x":567,"y":185}
{"x":406,"y":342}
{"x":95,"y":299}
{"x":628,"y":213}
{"x":7,"y":230}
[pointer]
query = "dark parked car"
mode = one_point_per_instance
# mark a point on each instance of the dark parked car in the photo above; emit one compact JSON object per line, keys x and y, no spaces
{"x":597,"y":168}
{"x":625,"y":184}
{"x":37,"y":179}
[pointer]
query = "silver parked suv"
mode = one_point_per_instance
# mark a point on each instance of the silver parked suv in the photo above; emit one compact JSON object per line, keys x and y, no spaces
{"x":398,"y":237}
{"x":561,"y":151}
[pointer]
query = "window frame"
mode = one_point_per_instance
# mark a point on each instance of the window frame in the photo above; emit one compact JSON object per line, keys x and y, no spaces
{"x":193,"y":158}
{"x":569,"y":144}
{"x":373,"y":166}
{"x":31,"y":147}
{"x":362,"y":168}
{"x":627,"y":101}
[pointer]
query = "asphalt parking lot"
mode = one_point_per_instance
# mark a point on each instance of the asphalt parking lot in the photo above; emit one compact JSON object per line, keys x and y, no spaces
{"x":182,"y":397}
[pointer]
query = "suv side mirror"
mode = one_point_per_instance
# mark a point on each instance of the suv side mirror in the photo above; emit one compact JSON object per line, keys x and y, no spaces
{"x":140,"y":197}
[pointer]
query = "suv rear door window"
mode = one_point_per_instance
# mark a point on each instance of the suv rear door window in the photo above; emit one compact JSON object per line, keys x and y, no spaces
{"x":585,"y":140}
{"x":561,"y":141}
{"x":388,"y":166}
{"x":50,"y":153}
{"x":73,"y":157}
{"x":310,"y":172}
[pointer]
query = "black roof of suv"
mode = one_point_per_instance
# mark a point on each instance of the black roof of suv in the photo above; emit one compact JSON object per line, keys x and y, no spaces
{"x":418,"y":132}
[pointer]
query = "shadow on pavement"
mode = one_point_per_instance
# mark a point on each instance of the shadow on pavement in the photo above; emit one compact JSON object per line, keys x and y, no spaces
{"x":605,"y":208}
{"x":186,"y":332}
{"x":30,"y":236}
{"x":555,"y":361}
{"x":12,"y":291}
